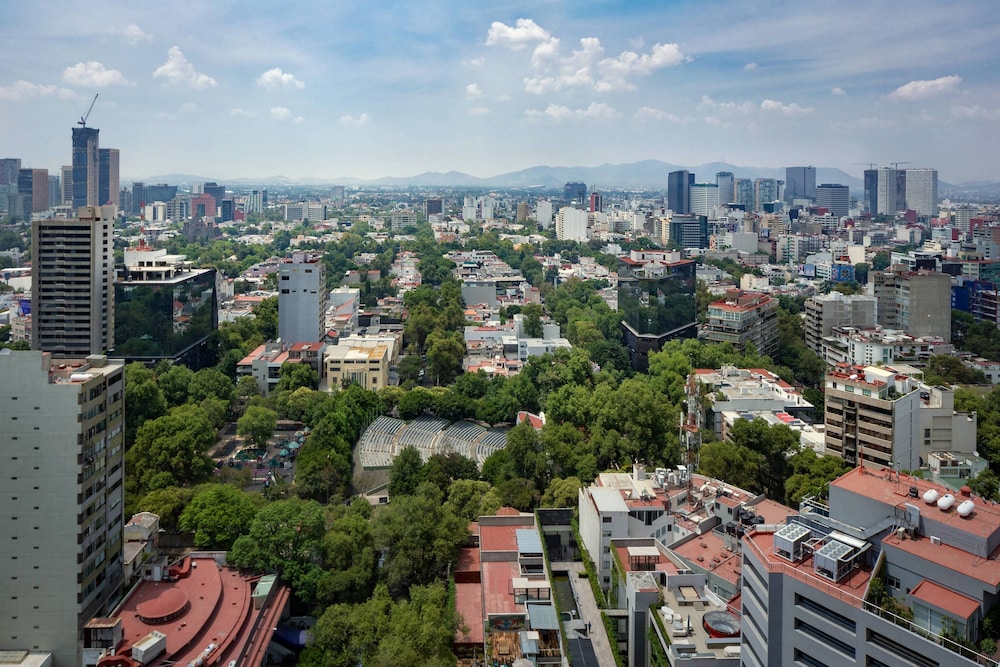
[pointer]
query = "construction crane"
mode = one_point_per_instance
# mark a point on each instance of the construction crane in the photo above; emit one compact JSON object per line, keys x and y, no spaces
{"x":871,"y":165}
{"x":895,"y":165}
{"x":83,"y":119}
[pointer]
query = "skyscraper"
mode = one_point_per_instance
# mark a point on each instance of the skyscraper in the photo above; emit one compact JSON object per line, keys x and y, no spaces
{"x":108,"y":185}
{"x":765,"y":191}
{"x":835,"y":197}
{"x":575,"y":193}
{"x":922,"y":191}
{"x":35,"y":184}
{"x":72,"y":273}
{"x":62,"y":498}
{"x":743,"y":189}
{"x":66,"y":171}
{"x":596,"y":202}
{"x":55,"y":191}
{"x":302,"y":299}
{"x":218,"y":192}
{"x":727,"y":191}
{"x":704,"y":199}
{"x":800,"y":183}
{"x":9,"y":168}
{"x":679,"y":191}
{"x":138,"y":198}
{"x":86,"y":167}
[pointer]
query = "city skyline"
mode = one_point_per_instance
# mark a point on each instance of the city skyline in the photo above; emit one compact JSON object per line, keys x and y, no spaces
{"x":241,"y":90}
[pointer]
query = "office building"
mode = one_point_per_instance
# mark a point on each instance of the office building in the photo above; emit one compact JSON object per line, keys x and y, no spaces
{"x":216,"y":192}
{"x":432,"y":206}
{"x":108,"y":186}
{"x":765,"y":191}
{"x":892,"y":570}
{"x":575,"y":193}
{"x":138,"y":199}
{"x":885,"y":191}
{"x":34,"y":184}
{"x":72,"y":273}
{"x":66,"y":172}
{"x":10,"y":167}
{"x":922,"y":191}
{"x":826,"y":311}
{"x":164,"y":309}
{"x":302,"y":299}
{"x":62,"y":498}
{"x":571,"y":224}
{"x":253,"y":202}
{"x":596,"y":202}
{"x":727,"y":187}
{"x":679,"y":191}
{"x":688,"y":231}
{"x":86,"y":167}
{"x":55,"y":191}
{"x":704,"y":199}
{"x":523,"y":212}
{"x":835,"y":198}
{"x":743,"y":189}
{"x":744,"y":318}
{"x":917,"y":302}
{"x":656,"y":298}
{"x":347,"y":363}
{"x":159,"y":192}
{"x":800,"y":183}
{"x":200,"y":206}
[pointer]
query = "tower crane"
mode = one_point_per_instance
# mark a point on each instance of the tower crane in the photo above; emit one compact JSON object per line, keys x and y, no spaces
{"x":83,"y":119}
{"x":895,"y":165}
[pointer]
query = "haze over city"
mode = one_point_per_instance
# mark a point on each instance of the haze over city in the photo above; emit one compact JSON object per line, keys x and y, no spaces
{"x":253,"y":90}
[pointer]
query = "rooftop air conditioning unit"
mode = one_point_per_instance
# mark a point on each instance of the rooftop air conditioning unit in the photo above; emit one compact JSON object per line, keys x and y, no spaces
{"x":935,"y":539}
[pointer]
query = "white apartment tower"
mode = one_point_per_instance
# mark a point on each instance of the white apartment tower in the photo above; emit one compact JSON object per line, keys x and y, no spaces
{"x":543,"y":213}
{"x":302,"y":299}
{"x":72,"y":277}
{"x":61,"y":500}
{"x":571,"y":224}
{"x":922,"y":191}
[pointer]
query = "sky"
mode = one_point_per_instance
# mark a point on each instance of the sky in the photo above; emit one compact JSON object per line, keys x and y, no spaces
{"x":369,"y":89}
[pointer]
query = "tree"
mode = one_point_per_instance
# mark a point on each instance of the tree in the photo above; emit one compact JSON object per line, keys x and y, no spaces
{"x":257,"y":425}
{"x":736,"y":465}
{"x":405,"y":473}
{"x":443,"y":469}
{"x":210,"y":382}
{"x":171,"y":450}
{"x":811,"y":475}
{"x":350,"y":556}
{"x":986,"y":485}
{"x":295,"y":375}
{"x":145,"y":403}
{"x":881,"y":260}
{"x":166,"y":503}
{"x":174,"y":384}
{"x":285,"y":538}
{"x":470,"y":499}
{"x":218,"y":514}
{"x":774,"y":444}
{"x":532,"y":321}
{"x":562,"y":493}
{"x":944,"y":369}
{"x":445,"y":352}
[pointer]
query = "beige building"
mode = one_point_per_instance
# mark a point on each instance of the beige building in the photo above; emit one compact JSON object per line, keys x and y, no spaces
{"x":72,"y":282}
{"x":917,"y":302}
{"x":61,"y":499}
{"x":365,"y":366}
{"x":826,"y":311}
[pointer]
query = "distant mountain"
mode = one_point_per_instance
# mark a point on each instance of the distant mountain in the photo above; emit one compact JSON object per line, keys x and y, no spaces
{"x":645,"y":174}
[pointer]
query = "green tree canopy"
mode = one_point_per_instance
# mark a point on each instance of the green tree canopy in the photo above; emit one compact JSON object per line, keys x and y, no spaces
{"x":405,"y":473}
{"x":257,"y":425}
{"x":218,"y":514}
{"x":171,"y":450}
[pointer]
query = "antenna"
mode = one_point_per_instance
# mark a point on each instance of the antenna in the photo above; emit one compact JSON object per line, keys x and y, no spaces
{"x":83,"y":119}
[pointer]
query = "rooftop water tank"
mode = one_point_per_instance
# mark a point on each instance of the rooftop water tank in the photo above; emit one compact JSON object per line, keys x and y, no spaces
{"x":946,"y":501}
{"x":931,"y":496}
{"x":965,"y":509}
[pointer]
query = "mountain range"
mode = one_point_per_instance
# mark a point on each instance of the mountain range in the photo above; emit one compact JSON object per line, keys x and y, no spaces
{"x":645,"y":174}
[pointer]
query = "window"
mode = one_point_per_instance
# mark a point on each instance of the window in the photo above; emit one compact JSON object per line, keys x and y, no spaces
{"x":892,"y":581}
{"x":828,"y":614}
{"x":806,"y":659}
{"x":824,"y":638}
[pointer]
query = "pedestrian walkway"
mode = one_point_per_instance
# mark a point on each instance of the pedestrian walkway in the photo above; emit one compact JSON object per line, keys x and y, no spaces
{"x":589,"y":612}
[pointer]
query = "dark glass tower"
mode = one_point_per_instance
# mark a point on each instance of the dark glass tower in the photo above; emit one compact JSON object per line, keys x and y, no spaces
{"x":86,"y":166}
{"x":679,"y":191}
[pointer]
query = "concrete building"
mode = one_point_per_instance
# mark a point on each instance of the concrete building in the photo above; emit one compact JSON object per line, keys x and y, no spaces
{"x":765,"y":191}
{"x":688,"y":231}
{"x":72,"y":273}
{"x":826,"y":311}
{"x":743,"y":189}
{"x":400,"y":220}
{"x":800,"y":183}
{"x":742,"y":318}
{"x":922,"y":191}
{"x":86,"y":167}
{"x":62,"y":498}
{"x":835,"y":198}
{"x":108,"y":178}
{"x":875,"y":345}
{"x":302,"y":298}
{"x":745,"y":390}
{"x":571,"y":224}
{"x":264,"y":364}
{"x":366,"y":366}
{"x":66,"y":177}
{"x":890,"y":571}
{"x":873,"y":413}
{"x":543,"y":214}
{"x":917,"y":302}
{"x":704,"y":199}
{"x":164,"y":309}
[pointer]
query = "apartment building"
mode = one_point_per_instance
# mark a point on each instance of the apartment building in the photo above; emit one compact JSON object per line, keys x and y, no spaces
{"x":742,"y":318}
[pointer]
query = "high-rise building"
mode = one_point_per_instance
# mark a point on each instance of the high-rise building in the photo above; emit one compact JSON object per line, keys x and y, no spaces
{"x":9,"y":170}
{"x":800,"y":183}
{"x":72,"y":273}
{"x":688,"y":231}
{"x":571,"y":224}
{"x":62,"y":498}
{"x":35,"y":184}
{"x":596,"y":202}
{"x":164,"y":309}
{"x":66,"y":171}
{"x":302,"y":299}
{"x":575,"y":193}
{"x":743,"y":193}
{"x":253,"y":202}
{"x":743,"y":318}
{"x":55,"y":191}
{"x":138,"y":198}
{"x":218,"y":193}
{"x":727,"y":191}
{"x":159,"y":192}
{"x":922,"y":191}
{"x":871,"y":191}
{"x":656,"y":298}
{"x":917,"y":302}
{"x":883,"y":194}
{"x":86,"y":167}
{"x":523,"y":211}
{"x":432,"y":206}
{"x":704,"y":199}
{"x":543,"y":213}
{"x":108,"y":185}
{"x":765,"y":191}
{"x":826,"y":311}
{"x":679,"y":191}
{"x":835,"y":198}
{"x":203,"y":206}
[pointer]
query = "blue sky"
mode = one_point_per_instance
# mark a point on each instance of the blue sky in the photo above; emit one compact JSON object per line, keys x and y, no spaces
{"x":369,"y":89}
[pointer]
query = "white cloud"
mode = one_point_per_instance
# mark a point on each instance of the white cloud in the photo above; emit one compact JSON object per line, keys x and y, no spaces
{"x":918,"y":90}
{"x":93,"y":74}
{"x":242,"y":113}
{"x":24,"y":90}
{"x":177,"y":70}
{"x":545,"y":52}
{"x":975,"y":112}
{"x":716,"y":122}
{"x":559,"y":113}
{"x":475,"y":62}
{"x":788,"y":110}
{"x":523,"y":33}
{"x":729,"y":107}
{"x":479,"y":111}
{"x":134,"y":34}
{"x":651,"y":113}
{"x":838,"y":91}
{"x":348,"y":119}
{"x":749,"y":67}
{"x":274,"y":80}
{"x":188,"y":107}
{"x":616,"y":71}
{"x":472,"y":91}
{"x":281,"y":113}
